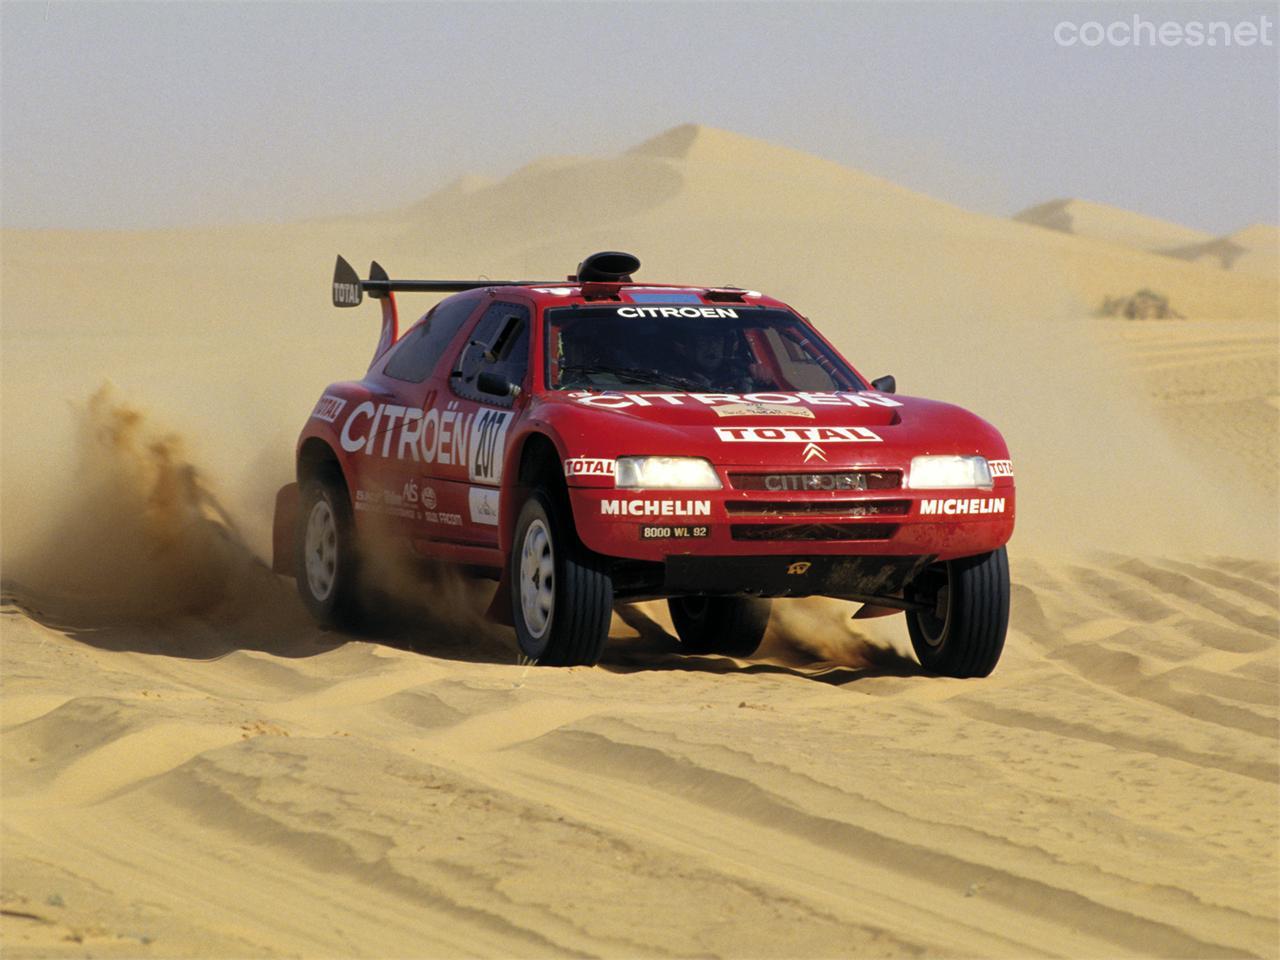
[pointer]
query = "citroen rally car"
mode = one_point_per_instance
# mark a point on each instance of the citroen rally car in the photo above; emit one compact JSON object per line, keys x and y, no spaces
{"x":599,"y":440}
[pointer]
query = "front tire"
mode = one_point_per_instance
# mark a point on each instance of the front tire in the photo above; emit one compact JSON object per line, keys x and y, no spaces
{"x":732,"y":626}
{"x":327,"y":559}
{"x":561,"y":594}
{"x":962,"y":632}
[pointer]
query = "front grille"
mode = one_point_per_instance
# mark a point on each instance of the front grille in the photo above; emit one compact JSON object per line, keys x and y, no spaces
{"x":825,"y":481}
{"x":841,"y":508}
{"x":812,"y":531}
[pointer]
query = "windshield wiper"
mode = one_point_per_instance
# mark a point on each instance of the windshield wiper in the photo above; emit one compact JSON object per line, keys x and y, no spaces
{"x":634,"y":375}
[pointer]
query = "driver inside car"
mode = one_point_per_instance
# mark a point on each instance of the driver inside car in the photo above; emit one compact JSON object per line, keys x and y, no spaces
{"x":723,"y":361}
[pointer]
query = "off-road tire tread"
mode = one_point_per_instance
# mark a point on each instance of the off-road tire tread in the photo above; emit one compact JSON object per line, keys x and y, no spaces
{"x":979,"y":621}
{"x":584,"y":591}
{"x":589,"y":593}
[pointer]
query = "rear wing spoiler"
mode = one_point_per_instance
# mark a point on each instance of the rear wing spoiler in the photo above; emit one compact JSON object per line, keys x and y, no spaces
{"x":608,"y":266}
{"x":349,"y":289}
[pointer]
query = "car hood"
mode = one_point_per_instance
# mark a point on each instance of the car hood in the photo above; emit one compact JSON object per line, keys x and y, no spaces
{"x":773,"y":428}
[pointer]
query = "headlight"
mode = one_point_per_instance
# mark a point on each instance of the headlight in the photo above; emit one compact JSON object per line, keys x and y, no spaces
{"x":948,"y":473}
{"x":666,"y":473}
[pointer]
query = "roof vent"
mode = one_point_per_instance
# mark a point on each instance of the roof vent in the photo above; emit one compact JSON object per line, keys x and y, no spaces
{"x":608,"y":266}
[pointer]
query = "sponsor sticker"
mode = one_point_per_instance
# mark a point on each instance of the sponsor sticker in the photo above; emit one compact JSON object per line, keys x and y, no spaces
{"x":388,"y":503}
{"x":484,"y":505}
{"x":811,"y":435}
{"x":799,"y":568}
{"x":688,"y":313}
{"x":761,"y":410}
{"x":405,"y":505}
{"x":1001,"y":468}
{"x":648,"y":532}
{"x":446,"y":435}
{"x":328,"y":407}
{"x":590,"y":467}
{"x":346,"y":294}
{"x":655,"y":508}
{"x":615,"y":400}
{"x":404,"y":513}
{"x":962,"y":506}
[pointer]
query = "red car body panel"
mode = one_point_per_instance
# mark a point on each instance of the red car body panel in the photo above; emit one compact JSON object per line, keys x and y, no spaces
{"x":438,"y":467}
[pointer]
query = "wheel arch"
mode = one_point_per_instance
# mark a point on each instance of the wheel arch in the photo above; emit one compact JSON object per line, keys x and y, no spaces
{"x":536,"y":460}
{"x":315,"y":454}
{"x":534,"y":456}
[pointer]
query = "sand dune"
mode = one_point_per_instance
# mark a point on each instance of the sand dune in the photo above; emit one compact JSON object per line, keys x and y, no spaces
{"x":1254,"y":249}
{"x":190,"y":768}
{"x":1084,"y":218}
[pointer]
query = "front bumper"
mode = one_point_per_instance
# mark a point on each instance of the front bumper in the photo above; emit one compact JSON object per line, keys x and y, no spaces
{"x":659,"y":525}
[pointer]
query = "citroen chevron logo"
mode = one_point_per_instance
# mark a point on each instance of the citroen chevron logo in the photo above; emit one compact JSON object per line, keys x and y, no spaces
{"x":812,"y":451}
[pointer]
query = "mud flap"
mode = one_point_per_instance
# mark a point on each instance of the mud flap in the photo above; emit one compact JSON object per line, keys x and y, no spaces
{"x":284,"y":528}
{"x":500,"y":606}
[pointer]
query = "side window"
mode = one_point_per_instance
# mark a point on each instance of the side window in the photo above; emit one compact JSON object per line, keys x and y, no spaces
{"x":499,"y":344}
{"x":416,"y":356}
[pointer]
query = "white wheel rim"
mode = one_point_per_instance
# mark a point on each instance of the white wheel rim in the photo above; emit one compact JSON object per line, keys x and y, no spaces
{"x":537,"y":579}
{"x":321,"y":550}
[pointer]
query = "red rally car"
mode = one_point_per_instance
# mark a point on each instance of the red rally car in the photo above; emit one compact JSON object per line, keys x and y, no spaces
{"x":600,"y":440}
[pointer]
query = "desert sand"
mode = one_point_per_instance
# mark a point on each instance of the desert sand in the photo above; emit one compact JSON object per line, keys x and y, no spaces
{"x":191,"y":768}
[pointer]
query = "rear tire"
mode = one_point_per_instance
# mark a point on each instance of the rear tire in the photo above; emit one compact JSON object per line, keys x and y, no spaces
{"x":732,"y":626}
{"x":962,"y":634}
{"x":561,"y":593}
{"x":327,"y":554}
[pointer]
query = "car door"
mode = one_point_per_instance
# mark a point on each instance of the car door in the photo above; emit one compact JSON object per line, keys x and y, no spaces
{"x":466,"y":471}
{"x":416,"y":372}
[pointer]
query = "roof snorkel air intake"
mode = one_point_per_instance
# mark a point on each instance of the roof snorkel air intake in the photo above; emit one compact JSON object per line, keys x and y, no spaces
{"x":608,"y":266}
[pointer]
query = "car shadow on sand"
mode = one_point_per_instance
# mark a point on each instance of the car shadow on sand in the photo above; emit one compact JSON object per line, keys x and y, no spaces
{"x":267,"y":616}
{"x":656,"y":649}
{"x":458,"y":631}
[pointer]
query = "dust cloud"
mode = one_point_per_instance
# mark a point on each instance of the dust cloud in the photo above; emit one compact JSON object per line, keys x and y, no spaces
{"x":820,"y":630}
{"x":139,"y":535}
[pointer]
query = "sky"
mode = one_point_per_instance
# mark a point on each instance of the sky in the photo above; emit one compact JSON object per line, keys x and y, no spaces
{"x":134,"y":115}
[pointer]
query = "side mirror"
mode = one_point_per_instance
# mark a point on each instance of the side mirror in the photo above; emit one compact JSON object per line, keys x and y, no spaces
{"x":495,"y":385}
{"x":885,"y":384}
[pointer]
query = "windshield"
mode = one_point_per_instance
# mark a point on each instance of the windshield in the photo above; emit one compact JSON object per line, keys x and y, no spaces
{"x":717,"y":349}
